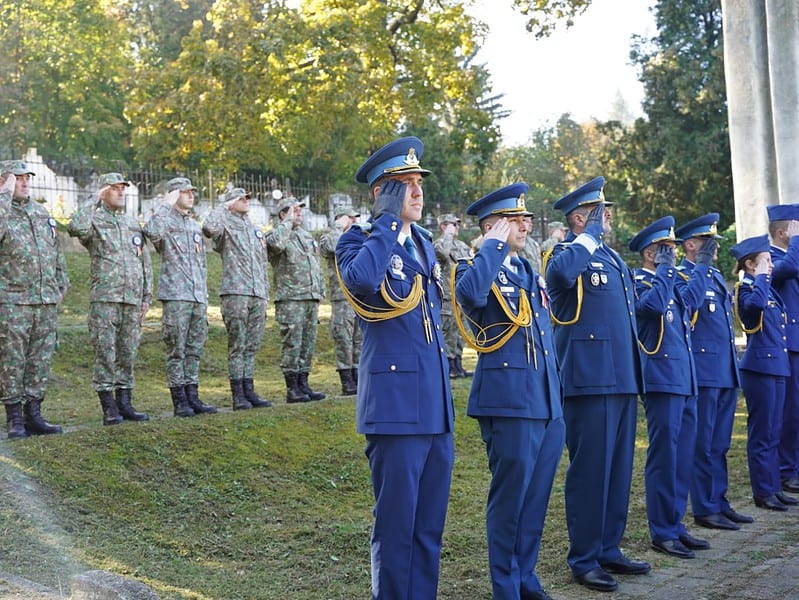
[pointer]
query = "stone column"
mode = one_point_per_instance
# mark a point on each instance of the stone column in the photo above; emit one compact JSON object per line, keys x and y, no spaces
{"x":761,"y":65}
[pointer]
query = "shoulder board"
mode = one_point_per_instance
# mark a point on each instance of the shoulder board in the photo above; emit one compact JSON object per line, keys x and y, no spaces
{"x":365,"y":227}
{"x":424,"y":232}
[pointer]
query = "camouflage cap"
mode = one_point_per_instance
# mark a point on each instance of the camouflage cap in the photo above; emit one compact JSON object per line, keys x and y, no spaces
{"x":17,"y":167}
{"x":235,"y":194}
{"x":287,"y":203}
{"x":179,"y":183}
{"x":346,"y":210}
{"x":112,"y":179}
{"x":448,"y":218}
{"x":557,"y":225}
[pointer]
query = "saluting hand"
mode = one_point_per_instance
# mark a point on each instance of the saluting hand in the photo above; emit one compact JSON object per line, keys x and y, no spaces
{"x":498,"y":231}
{"x":171,"y":198}
{"x":390,"y":198}
{"x":665,"y":255}
{"x":792,"y":229}
{"x":707,"y":251}
{"x":595,"y":224}
{"x":763,"y":265}
{"x":9,"y":183}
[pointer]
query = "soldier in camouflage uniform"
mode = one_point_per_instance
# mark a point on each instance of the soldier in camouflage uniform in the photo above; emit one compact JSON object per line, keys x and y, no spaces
{"x":33,"y":281}
{"x":299,"y":287}
{"x":183,"y":293}
{"x":448,"y":250}
{"x":344,"y":327}
{"x":120,"y":296}
{"x":244,"y":291}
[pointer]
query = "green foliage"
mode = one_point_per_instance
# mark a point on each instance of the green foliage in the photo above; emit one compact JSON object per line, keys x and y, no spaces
{"x":678,"y":159}
{"x":64,"y":74}
{"x":544,"y":16}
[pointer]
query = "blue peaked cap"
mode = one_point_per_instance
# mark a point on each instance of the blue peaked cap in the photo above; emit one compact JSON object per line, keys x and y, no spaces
{"x":661,"y":230}
{"x":508,"y":200}
{"x":749,"y":246}
{"x":783,"y":212}
{"x":585,"y":195}
{"x":704,"y":226}
{"x":395,"y":158}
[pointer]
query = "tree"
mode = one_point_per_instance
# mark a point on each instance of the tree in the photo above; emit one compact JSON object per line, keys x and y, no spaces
{"x":677,"y":160}
{"x":63,"y":87}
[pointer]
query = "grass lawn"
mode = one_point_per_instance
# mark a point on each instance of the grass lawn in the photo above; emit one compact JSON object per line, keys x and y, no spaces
{"x":259,"y":504}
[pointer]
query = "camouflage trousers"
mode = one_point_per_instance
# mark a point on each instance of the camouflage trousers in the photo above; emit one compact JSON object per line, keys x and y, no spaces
{"x":346,"y":334}
{"x":28,"y":338}
{"x":452,"y":336}
{"x":297,"y":320}
{"x":115,"y":332}
{"x":184,"y":329}
{"x":245,"y":321}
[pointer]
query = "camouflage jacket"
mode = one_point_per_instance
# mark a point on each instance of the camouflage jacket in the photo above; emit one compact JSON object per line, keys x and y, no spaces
{"x":179,"y":240}
{"x":295,"y":259}
{"x":243,"y":249}
{"x":121,"y":269}
{"x":32,"y":265}
{"x":327,"y":248}
{"x":448,"y":250}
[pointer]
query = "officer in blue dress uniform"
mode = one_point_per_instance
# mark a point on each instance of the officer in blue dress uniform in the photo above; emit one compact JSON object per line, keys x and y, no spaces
{"x":764,"y":369}
{"x":783,"y":230}
{"x":664,"y":333}
{"x":593,"y":306}
{"x":716,"y":361}
{"x":516,"y":393}
{"x":390,"y":276}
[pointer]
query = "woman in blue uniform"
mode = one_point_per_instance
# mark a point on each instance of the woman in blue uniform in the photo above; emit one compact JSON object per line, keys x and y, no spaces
{"x":764,"y":369}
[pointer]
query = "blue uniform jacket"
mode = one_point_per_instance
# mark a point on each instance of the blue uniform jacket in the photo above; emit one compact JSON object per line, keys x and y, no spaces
{"x":664,"y":324}
{"x":785,"y":280}
{"x":519,"y":379}
{"x":767,"y":348}
{"x":599,"y":353}
{"x":403,"y":380}
{"x":713,"y":336}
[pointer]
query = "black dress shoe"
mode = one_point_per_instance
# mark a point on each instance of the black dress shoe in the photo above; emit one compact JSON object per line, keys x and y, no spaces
{"x":791,"y":484}
{"x":537,"y":595}
{"x":693,"y":543}
{"x":597,"y":579}
{"x":737,"y":517}
{"x":627,"y":566}
{"x":717,"y":521}
{"x":787,"y":500}
{"x":771,"y":503}
{"x":674,"y":548}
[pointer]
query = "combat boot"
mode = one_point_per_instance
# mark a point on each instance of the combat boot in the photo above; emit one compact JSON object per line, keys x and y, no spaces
{"x":240,"y":401}
{"x":179,"y":402}
{"x":248,"y":386}
{"x":293,"y":391}
{"x":14,"y":421}
{"x":126,"y":410}
{"x":459,"y":366}
{"x":193,"y":398}
{"x":34,"y":422}
{"x":302,"y":383}
{"x":348,"y":387}
{"x":453,"y":370}
{"x":111,"y":414}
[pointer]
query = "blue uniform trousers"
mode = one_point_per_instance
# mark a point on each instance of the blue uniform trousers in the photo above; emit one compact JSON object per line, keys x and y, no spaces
{"x":789,"y":440}
{"x":410,"y":478}
{"x":765,"y":398}
{"x":600,"y":435}
{"x":523,"y":457}
{"x":715,"y":410}
{"x":671,"y":424}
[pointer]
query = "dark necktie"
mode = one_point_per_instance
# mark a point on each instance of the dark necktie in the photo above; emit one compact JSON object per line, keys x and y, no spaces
{"x":410,"y":247}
